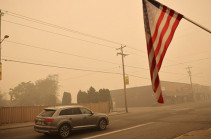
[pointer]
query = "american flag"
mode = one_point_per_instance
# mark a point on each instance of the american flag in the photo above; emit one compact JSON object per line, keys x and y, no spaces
{"x":160,"y":24}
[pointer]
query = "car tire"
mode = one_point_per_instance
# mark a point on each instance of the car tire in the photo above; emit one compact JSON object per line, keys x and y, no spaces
{"x":47,"y":134}
{"x":102,"y":124}
{"x":64,"y":130}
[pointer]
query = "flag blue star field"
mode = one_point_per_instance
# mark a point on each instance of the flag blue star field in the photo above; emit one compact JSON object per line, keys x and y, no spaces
{"x":160,"y":24}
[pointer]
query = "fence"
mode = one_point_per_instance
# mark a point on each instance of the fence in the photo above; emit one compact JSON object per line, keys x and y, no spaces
{"x":28,"y":113}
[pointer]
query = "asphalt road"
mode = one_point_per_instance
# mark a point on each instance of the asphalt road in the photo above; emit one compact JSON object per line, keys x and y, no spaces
{"x":165,"y":122}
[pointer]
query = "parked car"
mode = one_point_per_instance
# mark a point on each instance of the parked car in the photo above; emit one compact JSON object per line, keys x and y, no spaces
{"x":63,"y":119}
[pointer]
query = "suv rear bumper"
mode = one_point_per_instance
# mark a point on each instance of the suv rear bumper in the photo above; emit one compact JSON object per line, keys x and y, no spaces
{"x":45,"y":129}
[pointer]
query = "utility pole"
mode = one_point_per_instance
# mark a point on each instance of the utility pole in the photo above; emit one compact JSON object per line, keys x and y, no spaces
{"x":123,"y":67}
{"x":1,"y":14}
{"x":190,"y":75}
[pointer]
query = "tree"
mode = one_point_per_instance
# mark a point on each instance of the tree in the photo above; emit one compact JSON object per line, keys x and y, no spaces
{"x":42,"y":92}
{"x":105,"y":96}
{"x":82,"y":97}
{"x":47,"y":90}
{"x":3,"y":101}
{"x":93,"y":96}
{"x":67,"y":99}
{"x":23,"y":94}
{"x":79,"y":97}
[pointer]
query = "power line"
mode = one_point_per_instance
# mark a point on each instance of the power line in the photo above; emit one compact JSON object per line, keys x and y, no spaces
{"x":64,"y":35}
{"x":194,"y":54}
{"x":65,"y":53}
{"x":148,"y":69}
{"x":68,"y":68}
{"x":60,"y":67}
{"x":44,"y":61}
{"x":134,"y":53}
{"x":79,"y":76}
{"x":138,"y":76}
{"x":84,"y":57}
{"x":202,"y":76}
{"x":65,"y":29}
{"x":59,"y":27}
{"x":80,"y":40}
{"x":57,"y":33}
{"x":89,"y":74}
{"x":137,"y":50}
{"x":189,"y":61}
{"x":61,"y":52}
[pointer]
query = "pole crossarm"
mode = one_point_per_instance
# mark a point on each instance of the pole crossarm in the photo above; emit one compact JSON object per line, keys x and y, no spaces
{"x":122,"y":54}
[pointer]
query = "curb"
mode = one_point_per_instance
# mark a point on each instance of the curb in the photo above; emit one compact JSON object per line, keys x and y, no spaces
{"x":6,"y":127}
{"x":199,"y":134}
{"x":116,"y":113}
{"x":15,"y":127}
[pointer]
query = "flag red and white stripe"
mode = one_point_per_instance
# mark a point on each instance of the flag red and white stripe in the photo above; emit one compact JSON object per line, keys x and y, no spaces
{"x":160,"y":24}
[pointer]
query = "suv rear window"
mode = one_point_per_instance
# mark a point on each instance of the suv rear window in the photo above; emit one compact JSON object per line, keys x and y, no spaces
{"x":71,"y":111}
{"x":47,"y":113}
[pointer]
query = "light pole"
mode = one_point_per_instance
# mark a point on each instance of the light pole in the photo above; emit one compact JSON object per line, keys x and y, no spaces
{"x":5,"y":37}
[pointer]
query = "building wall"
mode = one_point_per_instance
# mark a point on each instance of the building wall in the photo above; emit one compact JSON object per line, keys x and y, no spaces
{"x":173,"y":93}
{"x":137,"y":96}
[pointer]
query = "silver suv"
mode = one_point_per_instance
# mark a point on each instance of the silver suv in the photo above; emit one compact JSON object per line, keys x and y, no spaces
{"x":64,"y":119}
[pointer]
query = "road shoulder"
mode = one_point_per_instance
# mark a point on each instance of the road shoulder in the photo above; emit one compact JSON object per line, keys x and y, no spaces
{"x":198,"y":134}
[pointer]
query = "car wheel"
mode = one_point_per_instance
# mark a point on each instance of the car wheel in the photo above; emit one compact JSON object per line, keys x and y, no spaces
{"x":46,"y":134}
{"x":102,"y":124}
{"x":64,"y":131}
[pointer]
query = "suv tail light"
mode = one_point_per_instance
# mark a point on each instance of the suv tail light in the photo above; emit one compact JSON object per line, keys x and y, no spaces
{"x":48,"y":120}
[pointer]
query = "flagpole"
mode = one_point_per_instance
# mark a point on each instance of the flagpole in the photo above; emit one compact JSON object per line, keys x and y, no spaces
{"x":191,"y":21}
{"x":197,"y":24}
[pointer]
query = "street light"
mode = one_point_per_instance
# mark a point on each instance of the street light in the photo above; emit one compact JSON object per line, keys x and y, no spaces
{"x":5,"y":37}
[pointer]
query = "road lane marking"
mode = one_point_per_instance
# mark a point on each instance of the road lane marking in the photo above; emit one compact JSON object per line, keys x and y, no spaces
{"x":182,"y":109}
{"x":118,"y":131}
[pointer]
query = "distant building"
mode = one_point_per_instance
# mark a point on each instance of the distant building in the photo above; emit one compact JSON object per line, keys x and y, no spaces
{"x":173,"y":93}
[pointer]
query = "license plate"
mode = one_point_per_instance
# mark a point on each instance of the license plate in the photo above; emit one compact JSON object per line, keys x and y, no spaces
{"x":39,"y":123}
